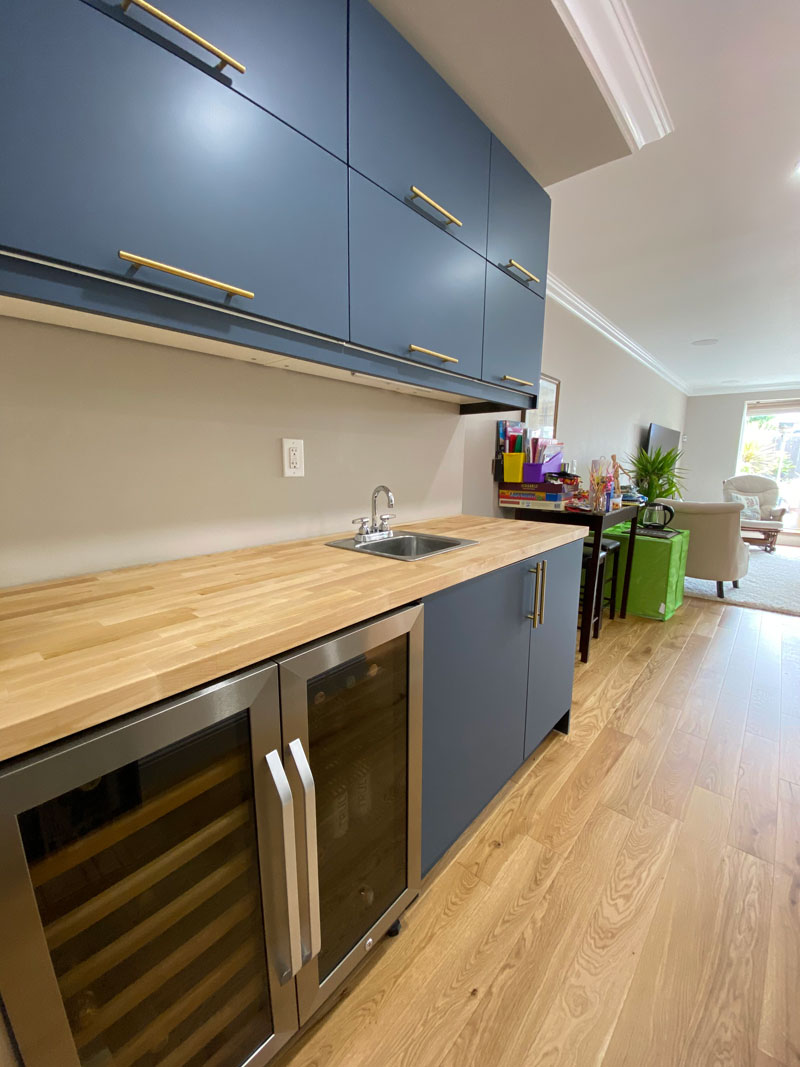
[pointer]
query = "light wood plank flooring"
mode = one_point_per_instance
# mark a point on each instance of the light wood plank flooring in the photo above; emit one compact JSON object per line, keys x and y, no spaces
{"x":632,"y":898}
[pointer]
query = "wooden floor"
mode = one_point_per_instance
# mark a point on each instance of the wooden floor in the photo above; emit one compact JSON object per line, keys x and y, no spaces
{"x":632,"y":898}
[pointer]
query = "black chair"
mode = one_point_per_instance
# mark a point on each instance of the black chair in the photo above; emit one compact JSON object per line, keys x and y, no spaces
{"x":611,"y":548}
{"x":591,"y":601}
{"x":607,"y":548}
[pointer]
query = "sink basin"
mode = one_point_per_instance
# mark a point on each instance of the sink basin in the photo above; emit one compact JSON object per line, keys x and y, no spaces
{"x":404,"y":544}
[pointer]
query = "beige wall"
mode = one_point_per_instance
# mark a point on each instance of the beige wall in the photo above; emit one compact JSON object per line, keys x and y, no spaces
{"x":713,"y":435}
{"x":607,"y":400}
{"x":713,"y":432}
{"x":116,"y":452}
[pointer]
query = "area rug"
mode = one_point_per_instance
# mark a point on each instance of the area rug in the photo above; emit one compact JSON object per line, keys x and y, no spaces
{"x":772,"y":583}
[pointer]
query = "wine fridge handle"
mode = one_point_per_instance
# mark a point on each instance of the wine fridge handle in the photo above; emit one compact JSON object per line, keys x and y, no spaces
{"x":281,"y":783}
{"x":298,"y":755}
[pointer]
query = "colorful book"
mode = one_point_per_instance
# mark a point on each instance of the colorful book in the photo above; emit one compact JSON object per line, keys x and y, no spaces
{"x":541,"y":505}
{"x":553,"y":497}
{"x":538,"y":487}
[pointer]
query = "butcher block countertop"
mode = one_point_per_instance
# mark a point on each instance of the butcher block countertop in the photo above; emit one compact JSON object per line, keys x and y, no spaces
{"x":78,"y":652}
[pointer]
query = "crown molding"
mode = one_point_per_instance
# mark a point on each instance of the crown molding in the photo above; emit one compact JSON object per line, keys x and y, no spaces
{"x":609,"y":43}
{"x":569,"y":299}
{"x":748,"y":389}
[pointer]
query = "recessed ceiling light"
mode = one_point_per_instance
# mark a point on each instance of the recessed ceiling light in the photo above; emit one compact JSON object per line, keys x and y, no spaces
{"x":796,"y":171}
{"x":701,"y":341}
{"x":729,"y":381}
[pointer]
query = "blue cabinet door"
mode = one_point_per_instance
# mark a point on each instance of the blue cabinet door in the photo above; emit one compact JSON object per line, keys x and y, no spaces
{"x":519,"y":220}
{"x":552,"y":658}
{"x":512,"y":333}
{"x":477,"y":639}
{"x":411,"y":284}
{"x":294,"y":52}
{"x":114,"y":145}
{"x":408,"y":128}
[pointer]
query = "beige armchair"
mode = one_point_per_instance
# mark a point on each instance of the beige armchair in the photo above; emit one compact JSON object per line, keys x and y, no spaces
{"x":763,"y":530}
{"x":716,"y":549}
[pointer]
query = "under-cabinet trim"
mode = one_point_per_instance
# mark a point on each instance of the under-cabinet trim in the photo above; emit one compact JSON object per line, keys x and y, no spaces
{"x":472,"y":394}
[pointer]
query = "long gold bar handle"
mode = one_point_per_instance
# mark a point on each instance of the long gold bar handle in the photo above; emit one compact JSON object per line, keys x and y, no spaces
{"x":535,"y":617}
{"x":518,"y":266}
{"x":415,"y":192}
{"x":544,"y":591}
{"x":430,"y":352}
{"x":140,"y":261}
{"x":519,"y":381}
{"x":224,"y":59}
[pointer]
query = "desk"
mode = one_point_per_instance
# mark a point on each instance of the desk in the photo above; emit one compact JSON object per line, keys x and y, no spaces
{"x":597,"y":521}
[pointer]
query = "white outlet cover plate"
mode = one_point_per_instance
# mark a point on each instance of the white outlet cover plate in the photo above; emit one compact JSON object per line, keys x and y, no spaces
{"x":294,"y":465}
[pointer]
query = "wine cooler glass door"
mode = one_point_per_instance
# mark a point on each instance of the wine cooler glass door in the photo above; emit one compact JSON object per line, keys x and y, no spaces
{"x":142,"y":928}
{"x":351,"y":711}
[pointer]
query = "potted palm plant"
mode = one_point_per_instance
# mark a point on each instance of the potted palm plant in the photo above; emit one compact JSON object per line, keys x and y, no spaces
{"x":655,"y":475}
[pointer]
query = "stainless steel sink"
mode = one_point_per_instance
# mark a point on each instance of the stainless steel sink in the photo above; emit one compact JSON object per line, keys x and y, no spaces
{"x":404,"y":544}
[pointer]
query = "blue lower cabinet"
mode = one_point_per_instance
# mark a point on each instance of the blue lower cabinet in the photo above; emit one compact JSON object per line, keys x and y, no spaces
{"x":552,"y":658}
{"x":477,"y":638}
{"x":294,"y":53}
{"x":512,"y":333}
{"x":412,"y":285}
{"x":114,"y":145}
{"x":494,"y":684}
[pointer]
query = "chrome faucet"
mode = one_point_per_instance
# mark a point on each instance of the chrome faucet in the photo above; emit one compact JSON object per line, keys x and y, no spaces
{"x":379,"y":527}
{"x":376,"y":492}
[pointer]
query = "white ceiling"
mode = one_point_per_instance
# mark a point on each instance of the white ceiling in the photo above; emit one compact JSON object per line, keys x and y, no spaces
{"x":516,"y":65}
{"x":698,"y":235}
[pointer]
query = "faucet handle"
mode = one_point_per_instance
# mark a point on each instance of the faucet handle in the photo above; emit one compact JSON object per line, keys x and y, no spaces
{"x":384,"y":526}
{"x":363,"y":523}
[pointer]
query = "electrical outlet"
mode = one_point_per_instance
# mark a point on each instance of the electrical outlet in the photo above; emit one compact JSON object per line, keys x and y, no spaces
{"x":293,"y":458}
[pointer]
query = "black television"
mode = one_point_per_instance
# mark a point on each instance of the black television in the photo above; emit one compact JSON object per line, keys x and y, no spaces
{"x":662,"y":437}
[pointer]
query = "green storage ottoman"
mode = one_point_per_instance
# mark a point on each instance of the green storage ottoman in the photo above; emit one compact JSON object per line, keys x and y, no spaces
{"x":659,"y":568}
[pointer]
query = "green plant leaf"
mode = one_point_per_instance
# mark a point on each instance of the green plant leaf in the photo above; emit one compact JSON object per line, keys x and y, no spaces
{"x":657,"y":475}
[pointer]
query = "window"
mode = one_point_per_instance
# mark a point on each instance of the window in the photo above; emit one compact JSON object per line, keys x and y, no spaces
{"x":771,"y":446}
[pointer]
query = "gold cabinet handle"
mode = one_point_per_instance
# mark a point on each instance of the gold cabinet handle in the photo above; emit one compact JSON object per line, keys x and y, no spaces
{"x":140,"y":261}
{"x":519,"y":381}
{"x":518,"y":266}
{"x":535,"y":617}
{"x":544,"y":591}
{"x":224,"y":59}
{"x":430,"y":352}
{"x":415,"y":192}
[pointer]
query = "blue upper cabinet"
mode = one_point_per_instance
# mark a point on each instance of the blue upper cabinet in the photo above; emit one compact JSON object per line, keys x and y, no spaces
{"x":408,"y":128}
{"x":294,"y":53}
{"x":519,"y":220}
{"x":512,"y":333}
{"x":116,"y":146}
{"x":410,"y":284}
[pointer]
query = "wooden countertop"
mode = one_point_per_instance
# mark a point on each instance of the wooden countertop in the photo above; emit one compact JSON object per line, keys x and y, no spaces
{"x":80,"y":651}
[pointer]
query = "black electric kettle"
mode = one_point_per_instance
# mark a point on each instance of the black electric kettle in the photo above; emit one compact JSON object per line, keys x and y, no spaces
{"x":657,"y":516}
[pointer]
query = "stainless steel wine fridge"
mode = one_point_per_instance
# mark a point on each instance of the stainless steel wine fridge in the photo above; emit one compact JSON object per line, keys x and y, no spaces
{"x":188,"y":885}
